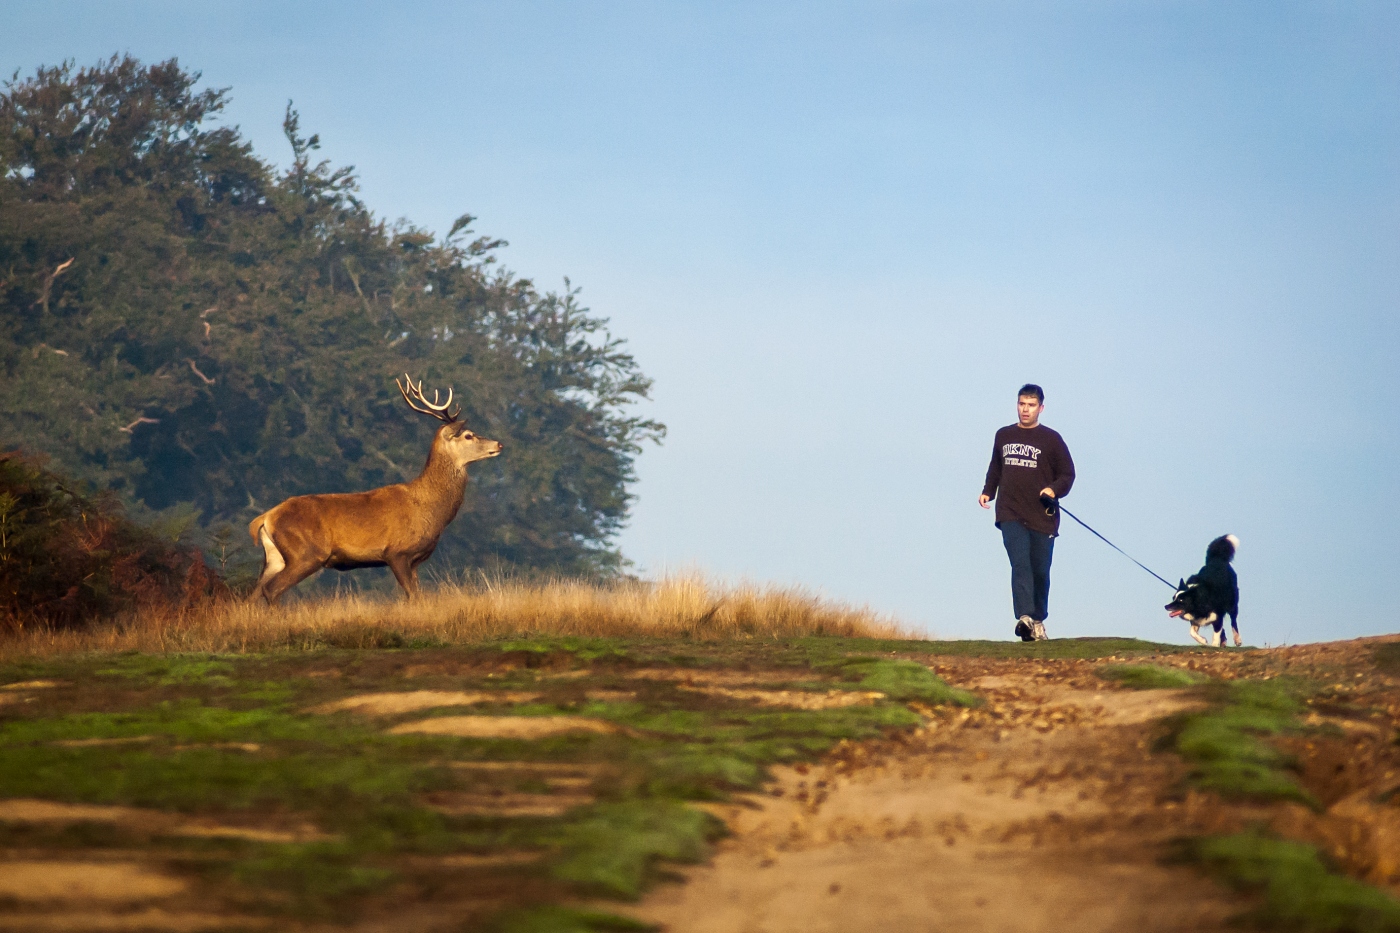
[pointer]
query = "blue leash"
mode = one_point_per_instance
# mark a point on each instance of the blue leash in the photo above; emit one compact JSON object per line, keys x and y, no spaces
{"x":1054,"y":504}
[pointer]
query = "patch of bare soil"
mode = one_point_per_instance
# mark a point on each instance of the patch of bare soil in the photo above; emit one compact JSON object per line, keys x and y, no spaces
{"x":611,"y":696}
{"x":143,"y":920}
{"x":17,"y":692}
{"x":570,"y":785}
{"x":249,"y":747}
{"x":151,"y":822}
{"x":1044,"y":810}
{"x":494,"y":860}
{"x":46,"y":881}
{"x":505,"y":803}
{"x":506,"y":727}
{"x":795,"y":699}
{"x":391,"y":704}
{"x":731,"y":678}
{"x":575,"y":674}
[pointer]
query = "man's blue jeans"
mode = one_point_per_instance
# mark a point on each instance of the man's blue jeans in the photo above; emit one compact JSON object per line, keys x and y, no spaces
{"x":1030,"y":553}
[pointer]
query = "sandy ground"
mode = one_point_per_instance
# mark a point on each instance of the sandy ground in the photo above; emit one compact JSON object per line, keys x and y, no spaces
{"x":392,"y":704}
{"x":506,"y":727}
{"x":1043,"y":811}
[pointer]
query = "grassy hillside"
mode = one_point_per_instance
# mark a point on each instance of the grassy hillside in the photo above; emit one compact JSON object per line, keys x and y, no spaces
{"x":493,"y":782}
{"x":506,"y":758}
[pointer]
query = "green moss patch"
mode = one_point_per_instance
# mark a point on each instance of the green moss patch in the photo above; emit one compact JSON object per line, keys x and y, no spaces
{"x":614,"y":848}
{"x":905,"y":680}
{"x":1150,"y":676}
{"x":1226,"y":744}
{"x":316,"y":879}
{"x":1300,"y":893}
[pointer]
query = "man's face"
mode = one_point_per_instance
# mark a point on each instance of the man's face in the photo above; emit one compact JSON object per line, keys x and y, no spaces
{"x":1028,"y":409}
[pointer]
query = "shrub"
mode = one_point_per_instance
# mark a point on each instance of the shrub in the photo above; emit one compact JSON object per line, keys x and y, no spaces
{"x":67,"y":559}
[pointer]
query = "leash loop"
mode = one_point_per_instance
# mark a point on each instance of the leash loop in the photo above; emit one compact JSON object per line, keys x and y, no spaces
{"x":1130,"y":557}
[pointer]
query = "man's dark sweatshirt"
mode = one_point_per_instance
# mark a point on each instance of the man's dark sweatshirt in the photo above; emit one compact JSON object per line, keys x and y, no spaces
{"x":1025,"y":461}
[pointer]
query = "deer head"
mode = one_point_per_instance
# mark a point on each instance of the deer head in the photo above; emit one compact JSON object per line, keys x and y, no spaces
{"x":454,"y":439}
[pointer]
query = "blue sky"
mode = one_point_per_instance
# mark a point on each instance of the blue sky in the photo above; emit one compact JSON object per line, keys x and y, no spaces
{"x":839,"y":236}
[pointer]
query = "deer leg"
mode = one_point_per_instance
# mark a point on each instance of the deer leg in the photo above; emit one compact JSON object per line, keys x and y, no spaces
{"x":285,"y":566}
{"x":291,"y":575}
{"x":273,"y":564}
{"x":406,"y":574}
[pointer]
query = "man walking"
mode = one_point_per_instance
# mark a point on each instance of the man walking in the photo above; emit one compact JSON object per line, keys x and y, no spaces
{"x":1029,"y":461}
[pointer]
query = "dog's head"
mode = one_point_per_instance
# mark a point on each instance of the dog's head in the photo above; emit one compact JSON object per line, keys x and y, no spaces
{"x":1186,"y":601}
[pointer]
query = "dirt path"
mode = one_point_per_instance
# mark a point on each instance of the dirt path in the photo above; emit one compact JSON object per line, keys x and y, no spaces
{"x":1043,"y":810}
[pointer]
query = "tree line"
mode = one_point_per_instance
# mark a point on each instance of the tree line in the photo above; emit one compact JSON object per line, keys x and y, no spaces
{"x":204,"y":335}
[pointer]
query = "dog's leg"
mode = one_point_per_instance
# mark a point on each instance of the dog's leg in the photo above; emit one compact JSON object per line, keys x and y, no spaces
{"x":1215,"y":638}
{"x":1235,"y":625}
{"x":1196,"y":633}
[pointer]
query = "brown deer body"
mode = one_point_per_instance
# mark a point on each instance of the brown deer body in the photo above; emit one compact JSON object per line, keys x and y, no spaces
{"x":395,"y":526}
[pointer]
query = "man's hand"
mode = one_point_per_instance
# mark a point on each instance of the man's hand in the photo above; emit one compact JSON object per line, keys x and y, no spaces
{"x":984,"y":501}
{"x":1047,"y":491}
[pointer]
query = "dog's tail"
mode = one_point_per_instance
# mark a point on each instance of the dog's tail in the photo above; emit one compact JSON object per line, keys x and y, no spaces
{"x":1222,"y":548}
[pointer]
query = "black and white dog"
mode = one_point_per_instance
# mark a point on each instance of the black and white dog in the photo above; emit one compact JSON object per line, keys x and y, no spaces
{"x":1207,"y":597}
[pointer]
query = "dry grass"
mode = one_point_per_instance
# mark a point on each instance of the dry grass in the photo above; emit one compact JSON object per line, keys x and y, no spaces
{"x":676,"y":607}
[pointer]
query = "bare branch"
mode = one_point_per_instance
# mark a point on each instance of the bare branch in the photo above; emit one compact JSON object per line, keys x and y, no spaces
{"x":195,"y":369}
{"x":43,"y":301}
{"x":130,"y":428}
{"x":355,"y":281}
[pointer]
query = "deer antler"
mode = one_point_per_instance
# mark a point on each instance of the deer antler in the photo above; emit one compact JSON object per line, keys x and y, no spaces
{"x":415,"y":392}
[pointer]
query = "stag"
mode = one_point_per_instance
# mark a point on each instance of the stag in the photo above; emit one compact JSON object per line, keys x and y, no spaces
{"x":395,"y":526}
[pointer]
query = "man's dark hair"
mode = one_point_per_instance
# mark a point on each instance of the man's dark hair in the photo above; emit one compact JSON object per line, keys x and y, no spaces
{"x":1031,"y":388}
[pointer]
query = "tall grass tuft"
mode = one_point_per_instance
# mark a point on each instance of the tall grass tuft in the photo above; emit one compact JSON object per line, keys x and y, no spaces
{"x":677,"y":607}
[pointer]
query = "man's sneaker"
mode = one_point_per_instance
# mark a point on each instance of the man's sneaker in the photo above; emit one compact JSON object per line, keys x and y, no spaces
{"x":1038,"y":632}
{"x":1025,"y":628}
